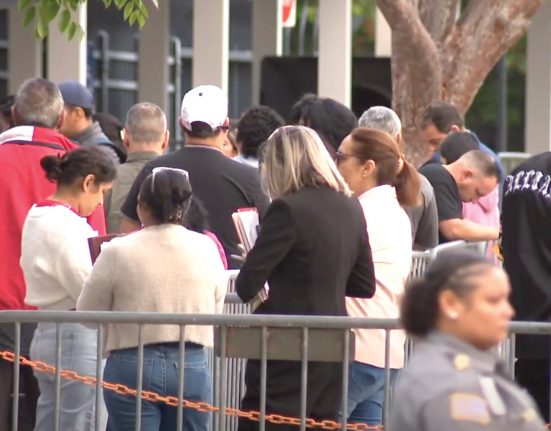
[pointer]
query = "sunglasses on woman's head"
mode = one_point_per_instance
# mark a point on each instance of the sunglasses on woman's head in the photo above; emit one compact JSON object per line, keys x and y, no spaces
{"x":163,"y":168}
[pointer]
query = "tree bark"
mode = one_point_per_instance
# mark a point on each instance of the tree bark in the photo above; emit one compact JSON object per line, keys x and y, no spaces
{"x":438,"y":55}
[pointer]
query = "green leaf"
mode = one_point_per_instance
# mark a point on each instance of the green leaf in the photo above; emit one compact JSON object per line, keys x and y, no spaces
{"x":71,"y":31}
{"x":23,"y":4}
{"x":120,"y":3}
{"x":156,"y":3}
{"x":48,"y":10}
{"x":143,"y":9}
{"x":107,"y":3}
{"x":42,"y":29}
{"x":73,"y":5}
{"x":128,"y":9}
{"x":64,"y":20}
{"x":141,"y":20}
{"x":29,"y":15}
{"x":133,"y":17}
{"x":78,"y":34}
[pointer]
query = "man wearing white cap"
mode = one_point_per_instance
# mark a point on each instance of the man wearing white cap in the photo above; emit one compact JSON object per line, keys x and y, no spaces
{"x":221,"y":184}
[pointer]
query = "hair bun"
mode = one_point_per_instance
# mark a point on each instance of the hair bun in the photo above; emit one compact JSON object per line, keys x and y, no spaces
{"x":52,"y":166}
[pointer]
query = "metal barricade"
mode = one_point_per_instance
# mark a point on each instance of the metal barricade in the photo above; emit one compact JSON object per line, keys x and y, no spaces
{"x":510,"y":160}
{"x":234,"y":387}
{"x":303,"y":338}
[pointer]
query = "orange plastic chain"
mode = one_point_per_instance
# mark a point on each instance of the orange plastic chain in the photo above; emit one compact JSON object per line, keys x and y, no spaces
{"x":173,"y":401}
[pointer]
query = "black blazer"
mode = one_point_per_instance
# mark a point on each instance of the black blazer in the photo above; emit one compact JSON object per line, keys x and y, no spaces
{"x":313,"y":249}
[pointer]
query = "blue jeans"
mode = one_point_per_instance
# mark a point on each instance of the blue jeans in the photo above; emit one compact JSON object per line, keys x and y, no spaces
{"x":77,"y":400}
{"x":160,"y":375}
{"x":366,"y":393}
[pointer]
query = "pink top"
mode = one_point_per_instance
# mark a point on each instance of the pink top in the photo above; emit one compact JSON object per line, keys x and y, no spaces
{"x":390,"y":239}
{"x":221,"y":251}
{"x":485,"y":212}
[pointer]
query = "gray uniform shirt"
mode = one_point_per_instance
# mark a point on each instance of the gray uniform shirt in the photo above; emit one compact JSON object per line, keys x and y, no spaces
{"x":424,"y":218}
{"x":449,"y":385}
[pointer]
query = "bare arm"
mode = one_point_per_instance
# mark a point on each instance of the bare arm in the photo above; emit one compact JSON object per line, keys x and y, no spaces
{"x":467,"y":230}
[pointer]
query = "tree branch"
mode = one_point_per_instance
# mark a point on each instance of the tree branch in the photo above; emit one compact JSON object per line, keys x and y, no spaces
{"x":438,"y":17}
{"x":483,"y":34}
{"x":411,"y":42}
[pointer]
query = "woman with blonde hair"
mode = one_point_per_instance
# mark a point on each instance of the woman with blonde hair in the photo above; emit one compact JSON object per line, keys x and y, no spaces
{"x":312,"y":219}
{"x":371,"y":163}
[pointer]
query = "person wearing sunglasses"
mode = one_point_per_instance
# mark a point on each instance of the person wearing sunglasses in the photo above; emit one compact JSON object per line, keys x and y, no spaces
{"x":371,"y":164}
{"x":162,"y":268}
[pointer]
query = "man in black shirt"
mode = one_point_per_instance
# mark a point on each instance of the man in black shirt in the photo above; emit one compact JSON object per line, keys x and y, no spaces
{"x":221,"y":184}
{"x":472,"y":176}
{"x":526,"y":249}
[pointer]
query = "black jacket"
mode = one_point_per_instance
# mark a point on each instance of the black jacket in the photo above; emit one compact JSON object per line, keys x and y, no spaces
{"x":313,"y":249}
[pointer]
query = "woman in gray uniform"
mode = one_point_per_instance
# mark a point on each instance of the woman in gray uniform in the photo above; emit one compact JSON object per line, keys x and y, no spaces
{"x":460,"y":311}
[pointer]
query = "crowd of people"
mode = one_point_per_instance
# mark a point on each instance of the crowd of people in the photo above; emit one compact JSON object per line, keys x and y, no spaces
{"x":341,"y":211}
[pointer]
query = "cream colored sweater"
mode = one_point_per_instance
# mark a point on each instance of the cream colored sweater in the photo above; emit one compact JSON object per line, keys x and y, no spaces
{"x":164,"y":268}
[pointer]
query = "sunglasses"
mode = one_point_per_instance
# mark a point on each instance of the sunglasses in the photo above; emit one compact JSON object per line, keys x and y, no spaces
{"x":342,"y":157}
{"x":155,"y":171}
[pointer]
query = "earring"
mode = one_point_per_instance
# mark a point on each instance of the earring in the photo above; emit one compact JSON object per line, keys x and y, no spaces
{"x":453,"y":315}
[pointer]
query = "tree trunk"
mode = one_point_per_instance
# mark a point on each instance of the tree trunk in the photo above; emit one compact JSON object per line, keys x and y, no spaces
{"x":438,"y":54}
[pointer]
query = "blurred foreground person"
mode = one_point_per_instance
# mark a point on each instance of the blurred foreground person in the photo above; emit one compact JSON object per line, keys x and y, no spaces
{"x":162,"y":268}
{"x":312,"y":249}
{"x":56,"y":261}
{"x":460,"y":311}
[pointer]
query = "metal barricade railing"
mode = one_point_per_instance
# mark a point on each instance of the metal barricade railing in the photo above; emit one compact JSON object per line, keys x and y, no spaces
{"x":228,"y":370}
{"x":301,"y":338}
{"x":510,"y":160}
{"x":263,"y":337}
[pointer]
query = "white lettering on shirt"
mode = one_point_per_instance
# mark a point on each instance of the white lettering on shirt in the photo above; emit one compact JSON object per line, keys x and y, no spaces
{"x":531,"y":181}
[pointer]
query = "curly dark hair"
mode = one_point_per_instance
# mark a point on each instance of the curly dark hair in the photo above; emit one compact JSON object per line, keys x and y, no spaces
{"x":255,"y":126}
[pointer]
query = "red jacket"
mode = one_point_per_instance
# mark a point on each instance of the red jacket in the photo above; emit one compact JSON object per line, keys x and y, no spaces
{"x":22,"y":183}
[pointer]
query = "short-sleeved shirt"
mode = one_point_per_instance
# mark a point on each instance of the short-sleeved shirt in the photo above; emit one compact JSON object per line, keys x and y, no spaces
{"x":220,"y":183}
{"x":424,"y":218}
{"x":446,"y":193}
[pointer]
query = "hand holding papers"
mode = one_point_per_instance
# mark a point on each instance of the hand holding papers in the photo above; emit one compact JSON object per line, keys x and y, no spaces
{"x":246,"y":225}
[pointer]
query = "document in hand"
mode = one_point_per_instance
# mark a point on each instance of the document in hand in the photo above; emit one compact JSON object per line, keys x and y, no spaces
{"x":246,"y":225}
{"x":94,"y":244}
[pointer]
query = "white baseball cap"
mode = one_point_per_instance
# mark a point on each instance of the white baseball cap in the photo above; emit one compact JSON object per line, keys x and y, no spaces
{"x":205,"y":103}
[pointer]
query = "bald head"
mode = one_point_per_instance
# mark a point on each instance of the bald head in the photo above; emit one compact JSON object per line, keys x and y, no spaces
{"x":475,"y":174}
{"x":481,"y":162}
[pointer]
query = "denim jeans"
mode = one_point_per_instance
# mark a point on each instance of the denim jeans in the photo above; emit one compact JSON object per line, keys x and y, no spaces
{"x":160,"y":375}
{"x":366,"y":393}
{"x":77,"y":400}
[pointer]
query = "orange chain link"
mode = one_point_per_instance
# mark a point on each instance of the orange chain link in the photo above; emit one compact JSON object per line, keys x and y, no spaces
{"x":173,"y":401}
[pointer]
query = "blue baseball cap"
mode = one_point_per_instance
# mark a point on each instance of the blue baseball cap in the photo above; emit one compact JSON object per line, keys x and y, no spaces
{"x":76,"y":94}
